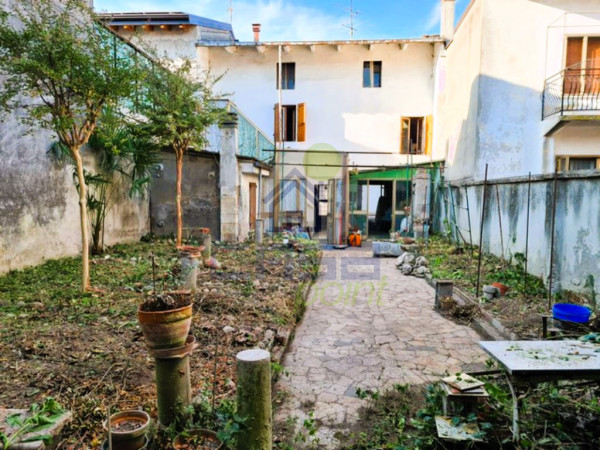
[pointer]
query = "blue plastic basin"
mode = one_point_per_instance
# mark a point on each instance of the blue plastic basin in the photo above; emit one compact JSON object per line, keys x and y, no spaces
{"x":571,"y":313}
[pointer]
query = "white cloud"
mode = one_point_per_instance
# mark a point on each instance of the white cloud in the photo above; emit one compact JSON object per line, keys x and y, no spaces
{"x":281,"y":20}
{"x":434,"y":18}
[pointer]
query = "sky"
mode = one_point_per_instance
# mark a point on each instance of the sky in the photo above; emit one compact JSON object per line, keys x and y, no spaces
{"x":293,"y":20}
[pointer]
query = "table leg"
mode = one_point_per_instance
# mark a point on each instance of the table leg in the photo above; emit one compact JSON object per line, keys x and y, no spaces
{"x":515,"y":396}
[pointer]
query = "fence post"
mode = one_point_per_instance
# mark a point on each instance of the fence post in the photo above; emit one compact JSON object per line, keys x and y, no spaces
{"x":254,"y":399}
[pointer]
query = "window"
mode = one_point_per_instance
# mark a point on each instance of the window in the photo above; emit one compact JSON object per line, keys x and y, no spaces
{"x":571,"y":164}
{"x":293,"y":195}
{"x":372,"y":74}
{"x":412,"y":136}
{"x":291,"y":125}
{"x":582,"y":64}
{"x":288,"y":76}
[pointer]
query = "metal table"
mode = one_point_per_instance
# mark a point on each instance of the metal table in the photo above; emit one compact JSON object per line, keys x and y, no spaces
{"x":532,"y":362}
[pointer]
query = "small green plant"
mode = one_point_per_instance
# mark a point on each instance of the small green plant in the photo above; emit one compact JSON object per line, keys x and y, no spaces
{"x":41,"y":418}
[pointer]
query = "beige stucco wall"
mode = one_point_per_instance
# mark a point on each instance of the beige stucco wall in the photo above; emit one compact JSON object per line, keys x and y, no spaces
{"x":578,"y":139}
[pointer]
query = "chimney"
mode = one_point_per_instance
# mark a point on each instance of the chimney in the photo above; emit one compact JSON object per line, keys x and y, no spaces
{"x":256,"y":30}
{"x":447,"y":21}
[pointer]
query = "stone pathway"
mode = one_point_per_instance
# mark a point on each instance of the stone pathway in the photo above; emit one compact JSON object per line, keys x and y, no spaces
{"x":367,"y":326}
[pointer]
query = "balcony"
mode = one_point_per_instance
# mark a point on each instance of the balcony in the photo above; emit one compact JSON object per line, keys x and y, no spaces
{"x":573,"y":91}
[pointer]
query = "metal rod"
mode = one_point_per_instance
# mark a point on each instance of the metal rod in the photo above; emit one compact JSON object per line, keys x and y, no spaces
{"x":527,"y":232}
{"x":481,"y":233}
{"x":332,"y":152}
{"x":500,"y":222}
{"x":469,"y":218}
{"x":349,"y":166}
{"x":552,"y":240}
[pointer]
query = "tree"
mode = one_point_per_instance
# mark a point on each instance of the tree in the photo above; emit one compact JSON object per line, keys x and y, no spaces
{"x":124,"y":161}
{"x":177,"y":111}
{"x":60,"y":69}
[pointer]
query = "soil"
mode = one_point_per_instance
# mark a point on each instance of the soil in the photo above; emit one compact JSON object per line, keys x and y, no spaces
{"x":166,"y":301}
{"x":88,"y":351}
{"x":123,"y":426}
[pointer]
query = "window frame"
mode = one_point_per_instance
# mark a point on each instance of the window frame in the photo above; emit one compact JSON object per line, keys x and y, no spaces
{"x":563,"y":162}
{"x":370,"y":82}
{"x":285,"y":76}
{"x":422,"y":150}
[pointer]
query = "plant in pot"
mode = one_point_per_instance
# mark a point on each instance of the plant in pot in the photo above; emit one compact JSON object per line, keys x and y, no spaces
{"x":198,"y":439}
{"x":128,"y":430}
{"x":166,"y":319}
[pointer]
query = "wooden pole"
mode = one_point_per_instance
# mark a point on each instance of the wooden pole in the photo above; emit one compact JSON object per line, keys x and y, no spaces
{"x":254,"y":399}
{"x":173,"y":387}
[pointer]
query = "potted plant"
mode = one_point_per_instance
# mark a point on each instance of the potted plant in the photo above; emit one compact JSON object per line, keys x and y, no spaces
{"x":166,"y":319}
{"x":197,"y":439}
{"x":127,"y":430}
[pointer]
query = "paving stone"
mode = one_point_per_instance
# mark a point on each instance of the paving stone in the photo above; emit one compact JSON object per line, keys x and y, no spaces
{"x":342,"y":346}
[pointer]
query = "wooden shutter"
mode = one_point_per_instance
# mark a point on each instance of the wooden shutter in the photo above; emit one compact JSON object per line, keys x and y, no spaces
{"x":404,"y":135}
{"x":428,"y":135}
{"x":574,"y":59}
{"x":301,"y":135}
{"x":277,"y":123}
{"x":593,"y":68}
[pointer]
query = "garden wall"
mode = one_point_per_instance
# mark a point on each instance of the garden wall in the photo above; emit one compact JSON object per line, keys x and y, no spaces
{"x":39,"y":209}
{"x":200,"y":195}
{"x":577,"y":223}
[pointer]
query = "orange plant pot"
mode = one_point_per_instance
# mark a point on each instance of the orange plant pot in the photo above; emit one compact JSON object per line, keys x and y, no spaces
{"x":166,"y":329}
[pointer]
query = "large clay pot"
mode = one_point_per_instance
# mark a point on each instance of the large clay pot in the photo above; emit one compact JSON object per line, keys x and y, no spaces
{"x":166,"y":329}
{"x":133,"y":436}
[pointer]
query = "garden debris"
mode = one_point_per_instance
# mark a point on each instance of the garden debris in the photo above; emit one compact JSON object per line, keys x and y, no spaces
{"x":456,"y":430}
{"x":61,"y":338}
{"x":463,"y":382}
{"x":491,"y":292}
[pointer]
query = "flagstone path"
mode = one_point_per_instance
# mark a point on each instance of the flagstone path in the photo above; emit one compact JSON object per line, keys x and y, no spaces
{"x":367,"y":326}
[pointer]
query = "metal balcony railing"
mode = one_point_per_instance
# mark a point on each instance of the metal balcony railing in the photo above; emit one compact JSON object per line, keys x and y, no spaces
{"x":252,"y":142}
{"x":574,"y":89}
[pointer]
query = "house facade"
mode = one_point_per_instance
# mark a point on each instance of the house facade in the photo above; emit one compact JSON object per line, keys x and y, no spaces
{"x":366,"y":106}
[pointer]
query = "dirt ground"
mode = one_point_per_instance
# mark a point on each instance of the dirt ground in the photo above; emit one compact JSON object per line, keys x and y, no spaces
{"x":87,"y":350}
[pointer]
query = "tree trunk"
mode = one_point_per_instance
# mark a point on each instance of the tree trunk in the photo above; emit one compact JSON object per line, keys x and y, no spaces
{"x":85,"y":253}
{"x":179,"y":165}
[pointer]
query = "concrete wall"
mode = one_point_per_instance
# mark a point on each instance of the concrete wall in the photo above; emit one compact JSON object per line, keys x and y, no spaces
{"x":200,"y":195}
{"x":576,"y":248}
{"x":39,"y":209}
{"x":513,"y":46}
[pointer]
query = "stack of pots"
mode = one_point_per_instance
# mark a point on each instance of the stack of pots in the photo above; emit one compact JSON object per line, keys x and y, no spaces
{"x":168,"y":341}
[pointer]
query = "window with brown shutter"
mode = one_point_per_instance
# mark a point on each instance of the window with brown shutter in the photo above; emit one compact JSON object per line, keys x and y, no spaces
{"x":412,"y":136}
{"x":593,"y":66}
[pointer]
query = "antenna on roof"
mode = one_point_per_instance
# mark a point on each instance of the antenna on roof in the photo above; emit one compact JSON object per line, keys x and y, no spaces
{"x":353,"y":12}
{"x":230,"y":10}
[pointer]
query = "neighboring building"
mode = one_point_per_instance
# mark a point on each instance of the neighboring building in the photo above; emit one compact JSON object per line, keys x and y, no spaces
{"x":521,"y":88}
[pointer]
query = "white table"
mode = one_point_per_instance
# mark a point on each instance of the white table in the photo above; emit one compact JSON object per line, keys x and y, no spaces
{"x":532,"y":362}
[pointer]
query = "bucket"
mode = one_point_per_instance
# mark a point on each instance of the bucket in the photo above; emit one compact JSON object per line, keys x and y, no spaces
{"x":571,"y":313}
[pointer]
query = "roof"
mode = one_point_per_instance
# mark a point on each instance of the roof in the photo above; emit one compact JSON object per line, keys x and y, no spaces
{"x":424,"y":39}
{"x":163,"y":18}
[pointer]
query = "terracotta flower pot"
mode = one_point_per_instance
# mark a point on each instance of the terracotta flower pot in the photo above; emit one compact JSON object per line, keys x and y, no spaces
{"x":166,"y":329}
{"x":502,"y":288}
{"x":197,"y":438}
{"x":128,"y":429}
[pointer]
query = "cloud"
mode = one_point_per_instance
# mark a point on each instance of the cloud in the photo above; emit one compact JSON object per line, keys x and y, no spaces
{"x":433,"y":19}
{"x":281,"y":20}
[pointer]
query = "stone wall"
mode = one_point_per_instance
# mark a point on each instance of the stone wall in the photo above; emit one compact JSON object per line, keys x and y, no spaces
{"x":39,"y":210}
{"x":200,"y":194}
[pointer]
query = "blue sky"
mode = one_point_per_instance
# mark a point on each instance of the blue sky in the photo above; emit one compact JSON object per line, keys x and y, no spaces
{"x":308,"y":19}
